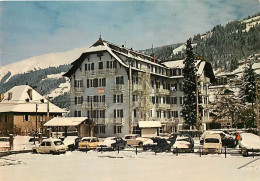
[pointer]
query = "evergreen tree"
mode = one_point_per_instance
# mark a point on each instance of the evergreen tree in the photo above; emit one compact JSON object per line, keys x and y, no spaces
{"x":189,"y":111}
{"x":248,"y":89}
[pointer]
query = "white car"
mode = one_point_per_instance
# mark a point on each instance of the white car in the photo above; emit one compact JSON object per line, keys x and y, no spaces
{"x":212,"y":144}
{"x":183,"y":144}
{"x":249,"y":143}
{"x":135,"y":140}
{"x":50,"y":145}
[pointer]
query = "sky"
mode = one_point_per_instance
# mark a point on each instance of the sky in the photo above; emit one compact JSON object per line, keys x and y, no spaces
{"x":32,"y":28}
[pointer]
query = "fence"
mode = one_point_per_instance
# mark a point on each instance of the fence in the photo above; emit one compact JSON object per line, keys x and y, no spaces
{"x":197,"y":150}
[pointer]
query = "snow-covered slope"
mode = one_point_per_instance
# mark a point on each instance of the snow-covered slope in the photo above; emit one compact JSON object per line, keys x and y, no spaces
{"x":41,"y":62}
{"x":181,"y":49}
{"x":251,"y":23}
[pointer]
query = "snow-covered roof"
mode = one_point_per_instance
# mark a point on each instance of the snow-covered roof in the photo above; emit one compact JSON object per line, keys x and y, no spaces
{"x":149,"y":124}
{"x":66,"y":121}
{"x":18,"y":99}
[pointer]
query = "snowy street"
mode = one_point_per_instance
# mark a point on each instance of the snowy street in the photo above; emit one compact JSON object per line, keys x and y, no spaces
{"x":128,"y":166}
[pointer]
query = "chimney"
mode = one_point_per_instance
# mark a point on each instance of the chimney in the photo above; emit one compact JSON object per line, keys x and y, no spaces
{"x":35,"y":88}
{"x":10,"y":95}
{"x":30,"y":93}
{"x":2,"y":96}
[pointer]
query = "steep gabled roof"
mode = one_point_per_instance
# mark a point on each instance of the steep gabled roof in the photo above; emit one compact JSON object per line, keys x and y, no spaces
{"x":18,"y":99}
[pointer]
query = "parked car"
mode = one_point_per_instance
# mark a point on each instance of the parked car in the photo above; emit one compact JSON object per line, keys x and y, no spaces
{"x":50,"y":145}
{"x":88,"y":143}
{"x":183,"y":144}
{"x":227,"y":140}
{"x":134,"y":140}
{"x":212,"y":144}
{"x":111,"y":143}
{"x":172,"y":137}
{"x":70,"y":142}
{"x":249,"y":143}
{"x":159,"y":144}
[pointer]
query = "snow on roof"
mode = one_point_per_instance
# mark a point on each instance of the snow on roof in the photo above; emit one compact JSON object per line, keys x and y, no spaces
{"x":174,"y":64}
{"x":65,"y":121}
{"x":149,"y":124}
{"x":20,"y":101}
{"x":96,"y":48}
{"x":201,"y":68}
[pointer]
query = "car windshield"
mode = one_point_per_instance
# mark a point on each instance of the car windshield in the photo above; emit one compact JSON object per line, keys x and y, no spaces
{"x":57,"y":143}
{"x":86,"y":140}
{"x":211,"y":140}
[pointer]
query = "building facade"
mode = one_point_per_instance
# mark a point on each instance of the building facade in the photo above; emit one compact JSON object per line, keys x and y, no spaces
{"x":118,"y":87}
{"x":23,"y":111}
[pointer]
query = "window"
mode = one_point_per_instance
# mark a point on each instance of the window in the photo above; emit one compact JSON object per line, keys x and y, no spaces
{"x":118,"y":113}
{"x":174,"y":100}
{"x":78,"y":100}
{"x":98,"y":114}
{"x":98,"y":82}
{"x":89,"y":66}
{"x":43,"y":144}
{"x":48,"y":143}
{"x":120,"y":80}
{"x":153,"y":100}
{"x":77,"y":113}
{"x":102,"y":129}
{"x":135,"y":98}
{"x":112,"y":64}
{"x":135,"y":114}
{"x":25,"y":118}
{"x":175,"y":114}
{"x":117,"y":129}
{"x":95,"y":83}
{"x":100,"y":65}
{"x":181,"y":100}
{"x":180,"y":87}
{"x":78,"y":83}
{"x":118,"y":98}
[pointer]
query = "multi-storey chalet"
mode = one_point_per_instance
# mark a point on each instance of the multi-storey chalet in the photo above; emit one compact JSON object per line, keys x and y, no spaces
{"x":23,"y":110}
{"x":122,"y":87}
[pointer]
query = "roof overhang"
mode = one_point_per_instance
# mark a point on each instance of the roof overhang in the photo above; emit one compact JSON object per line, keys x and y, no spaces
{"x":66,"y":121}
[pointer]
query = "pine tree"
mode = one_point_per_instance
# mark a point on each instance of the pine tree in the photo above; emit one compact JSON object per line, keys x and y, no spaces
{"x":248,"y":89}
{"x":189,"y":111}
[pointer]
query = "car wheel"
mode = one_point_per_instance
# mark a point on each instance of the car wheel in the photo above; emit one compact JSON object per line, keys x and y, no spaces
{"x":244,"y":152}
{"x":52,"y":152}
{"x":140,"y":144}
{"x":34,"y":151}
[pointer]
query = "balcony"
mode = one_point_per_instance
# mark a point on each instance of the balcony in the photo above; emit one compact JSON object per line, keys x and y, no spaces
{"x":137,"y":87}
{"x":99,"y":120}
{"x":100,"y":72}
{"x":95,"y":105}
{"x":76,"y":90}
{"x":162,"y":91}
{"x":136,"y":104}
{"x":117,"y":87}
{"x":119,"y":120}
{"x":162,"y":106}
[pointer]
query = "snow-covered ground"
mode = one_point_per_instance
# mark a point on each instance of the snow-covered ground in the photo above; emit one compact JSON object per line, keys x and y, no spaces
{"x":128,"y":166}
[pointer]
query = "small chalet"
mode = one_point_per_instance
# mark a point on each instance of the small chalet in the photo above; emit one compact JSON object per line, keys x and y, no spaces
{"x":23,"y":110}
{"x":149,"y":128}
{"x":80,"y":124}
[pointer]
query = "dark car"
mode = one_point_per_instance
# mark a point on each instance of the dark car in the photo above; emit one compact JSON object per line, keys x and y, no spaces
{"x":112,"y":143}
{"x":159,"y":145}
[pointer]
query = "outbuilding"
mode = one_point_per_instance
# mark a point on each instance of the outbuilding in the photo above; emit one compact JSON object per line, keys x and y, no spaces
{"x":149,"y":128}
{"x":62,"y":124}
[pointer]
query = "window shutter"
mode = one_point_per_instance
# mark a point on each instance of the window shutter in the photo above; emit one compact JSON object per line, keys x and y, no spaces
{"x":114,"y":98}
{"x":92,"y":66}
{"x":114,"y":113}
{"x":75,"y":100}
{"x":122,"y":98}
{"x":107,"y":64}
{"x":115,"y":64}
{"x":122,"y":115}
{"x":114,"y":129}
{"x":87,"y":83}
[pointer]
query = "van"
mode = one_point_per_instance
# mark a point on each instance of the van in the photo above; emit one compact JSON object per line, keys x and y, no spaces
{"x":212,"y":144}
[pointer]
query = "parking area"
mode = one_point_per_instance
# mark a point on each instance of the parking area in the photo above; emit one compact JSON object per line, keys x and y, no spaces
{"x":126,"y":165}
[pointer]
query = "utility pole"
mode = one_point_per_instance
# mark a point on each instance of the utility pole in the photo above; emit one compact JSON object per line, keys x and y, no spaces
{"x":257,"y":107}
{"x":48,"y":109}
{"x":36,"y":120}
{"x":197,"y":104}
{"x":92,"y":121}
{"x":130,"y":98}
